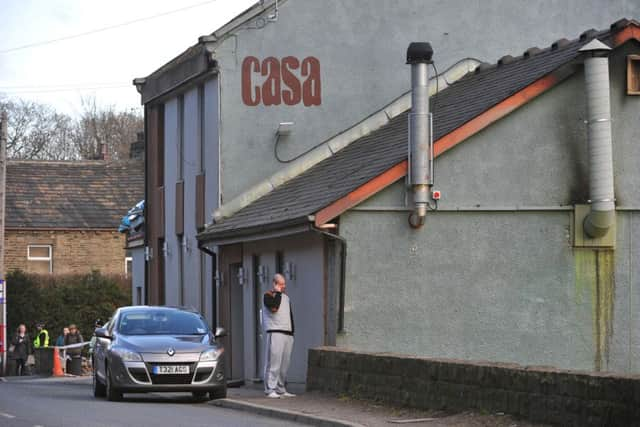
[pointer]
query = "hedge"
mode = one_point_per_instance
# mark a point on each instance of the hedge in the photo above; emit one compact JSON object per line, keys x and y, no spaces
{"x":59,"y":300}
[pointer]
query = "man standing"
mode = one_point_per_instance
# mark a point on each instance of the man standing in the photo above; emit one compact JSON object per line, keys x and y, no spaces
{"x":278,"y":324}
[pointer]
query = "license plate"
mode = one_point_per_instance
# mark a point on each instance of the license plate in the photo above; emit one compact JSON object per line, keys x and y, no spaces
{"x":170,"y":369}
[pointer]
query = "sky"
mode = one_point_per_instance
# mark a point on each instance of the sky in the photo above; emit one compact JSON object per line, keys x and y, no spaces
{"x":102,"y":64}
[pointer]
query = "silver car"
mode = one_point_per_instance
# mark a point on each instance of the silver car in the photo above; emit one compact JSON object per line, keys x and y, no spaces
{"x":155,"y":349}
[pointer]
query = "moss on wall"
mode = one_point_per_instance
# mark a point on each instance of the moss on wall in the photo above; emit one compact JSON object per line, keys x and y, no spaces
{"x":595,"y":272}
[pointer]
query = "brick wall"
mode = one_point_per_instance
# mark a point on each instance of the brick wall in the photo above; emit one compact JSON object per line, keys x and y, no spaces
{"x":567,"y":398}
{"x":73,"y":251}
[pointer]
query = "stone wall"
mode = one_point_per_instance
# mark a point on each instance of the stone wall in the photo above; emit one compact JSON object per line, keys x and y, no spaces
{"x":561,"y":397}
{"x":74,"y":251}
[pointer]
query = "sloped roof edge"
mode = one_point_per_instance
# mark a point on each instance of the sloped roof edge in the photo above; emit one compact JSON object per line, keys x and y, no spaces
{"x":378,"y":183}
{"x":336,"y":143}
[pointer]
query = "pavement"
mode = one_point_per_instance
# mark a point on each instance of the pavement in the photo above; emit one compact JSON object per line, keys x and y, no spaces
{"x":313,"y":408}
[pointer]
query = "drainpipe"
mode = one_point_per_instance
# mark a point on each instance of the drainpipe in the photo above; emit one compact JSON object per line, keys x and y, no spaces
{"x":596,"y":72}
{"x":420,"y":155}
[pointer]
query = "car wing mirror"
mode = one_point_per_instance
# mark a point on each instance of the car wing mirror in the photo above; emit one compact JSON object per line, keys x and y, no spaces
{"x":103,"y":333}
{"x":220,"y":332}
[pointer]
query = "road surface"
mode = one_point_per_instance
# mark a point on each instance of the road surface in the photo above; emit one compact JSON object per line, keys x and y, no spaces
{"x":68,"y":402}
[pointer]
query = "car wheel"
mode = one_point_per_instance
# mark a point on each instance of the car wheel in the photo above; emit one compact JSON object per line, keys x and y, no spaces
{"x":113,"y":394}
{"x":219,"y":393}
{"x":99,"y":390}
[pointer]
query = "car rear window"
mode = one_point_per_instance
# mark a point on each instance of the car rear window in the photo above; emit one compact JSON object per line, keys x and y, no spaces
{"x":161,"y":322}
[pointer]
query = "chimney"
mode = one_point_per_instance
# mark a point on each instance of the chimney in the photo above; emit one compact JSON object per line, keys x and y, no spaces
{"x":103,"y":152}
{"x":601,"y":192}
{"x":136,"y":149}
{"x":420,"y":171}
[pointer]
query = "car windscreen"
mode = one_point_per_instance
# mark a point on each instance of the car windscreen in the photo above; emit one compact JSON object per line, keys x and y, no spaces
{"x":161,"y":322}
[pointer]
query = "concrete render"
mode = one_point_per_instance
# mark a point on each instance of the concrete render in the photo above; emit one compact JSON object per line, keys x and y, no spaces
{"x":493,"y":274}
{"x":361,"y":46}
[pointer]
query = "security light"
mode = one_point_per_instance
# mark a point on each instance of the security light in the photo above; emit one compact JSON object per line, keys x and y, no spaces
{"x":284,"y":128}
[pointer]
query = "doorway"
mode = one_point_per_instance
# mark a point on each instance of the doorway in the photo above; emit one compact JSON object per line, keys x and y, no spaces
{"x":230,"y":310}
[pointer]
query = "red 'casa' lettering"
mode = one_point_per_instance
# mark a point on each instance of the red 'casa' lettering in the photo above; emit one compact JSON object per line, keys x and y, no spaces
{"x":292,"y":95}
{"x":250,"y":94}
{"x":273,"y":81}
{"x":311,"y":86}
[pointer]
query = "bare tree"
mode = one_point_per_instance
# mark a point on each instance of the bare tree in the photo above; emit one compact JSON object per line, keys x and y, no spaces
{"x":37,"y":131}
{"x":100,"y":127}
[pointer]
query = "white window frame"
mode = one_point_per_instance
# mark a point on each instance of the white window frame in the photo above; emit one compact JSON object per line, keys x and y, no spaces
{"x":40,"y":258}
{"x":128,"y":259}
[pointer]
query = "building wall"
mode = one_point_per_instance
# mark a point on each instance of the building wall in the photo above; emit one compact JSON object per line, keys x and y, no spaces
{"x":171,"y":251}
{"x":212,"y":186}
{"x":74,"y":252}
{"x":493,"y":274}
{"x":154,"y":202}
{"x":362,"y":62}
{"x":191,"y":161}
{"x":362,"y":68}
{"x":197,"y":126}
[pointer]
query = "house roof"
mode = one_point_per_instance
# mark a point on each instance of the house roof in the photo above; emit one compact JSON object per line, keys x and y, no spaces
{"x":496,"y":89}
{"x":71,"y":194}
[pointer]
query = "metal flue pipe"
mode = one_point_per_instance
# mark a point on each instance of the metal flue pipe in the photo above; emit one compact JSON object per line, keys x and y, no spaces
{"x":601,"y":192}
{"x":419,"y":55}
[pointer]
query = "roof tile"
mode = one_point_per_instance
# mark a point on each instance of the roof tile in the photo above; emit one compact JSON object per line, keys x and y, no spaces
{"x":82,"y":194}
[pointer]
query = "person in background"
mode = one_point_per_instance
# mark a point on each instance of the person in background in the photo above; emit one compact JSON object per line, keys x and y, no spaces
{"x":73,"y":337}
{"x":42,"y":336}
{"x":75,"y":354}
{"x":21,"y":345}
{"x":60,"y":340}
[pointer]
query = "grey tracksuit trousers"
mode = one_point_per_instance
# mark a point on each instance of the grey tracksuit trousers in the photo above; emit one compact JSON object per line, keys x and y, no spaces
{"x":278,"y":355}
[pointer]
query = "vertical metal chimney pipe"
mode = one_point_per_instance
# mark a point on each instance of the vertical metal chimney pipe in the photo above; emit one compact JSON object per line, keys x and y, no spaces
{"x":601,"y":191}
{"x":419,"y":55}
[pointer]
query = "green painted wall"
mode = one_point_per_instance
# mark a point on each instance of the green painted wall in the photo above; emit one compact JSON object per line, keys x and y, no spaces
{"x":493,"y":274}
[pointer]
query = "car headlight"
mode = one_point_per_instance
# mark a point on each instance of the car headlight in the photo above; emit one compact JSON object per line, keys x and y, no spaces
{"x":211,"y":355}
{"x":127,"y":355}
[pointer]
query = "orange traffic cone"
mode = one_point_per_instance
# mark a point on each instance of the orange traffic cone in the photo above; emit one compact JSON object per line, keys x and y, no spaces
{"x":57,"y":366}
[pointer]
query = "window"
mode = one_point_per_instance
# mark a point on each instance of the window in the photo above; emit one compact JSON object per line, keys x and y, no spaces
{"x":128,"y":265}
{"x":201,"y":135}
{"x":633,"y":75}
{"x":180,"y":137}
{"x":279,"y":262}
{"x":39,"y":259}
{"x":161,"y":322}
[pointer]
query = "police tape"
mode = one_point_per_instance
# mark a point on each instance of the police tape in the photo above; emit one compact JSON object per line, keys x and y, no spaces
{"x":62,"y":353}
{"x":78,"y":345}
